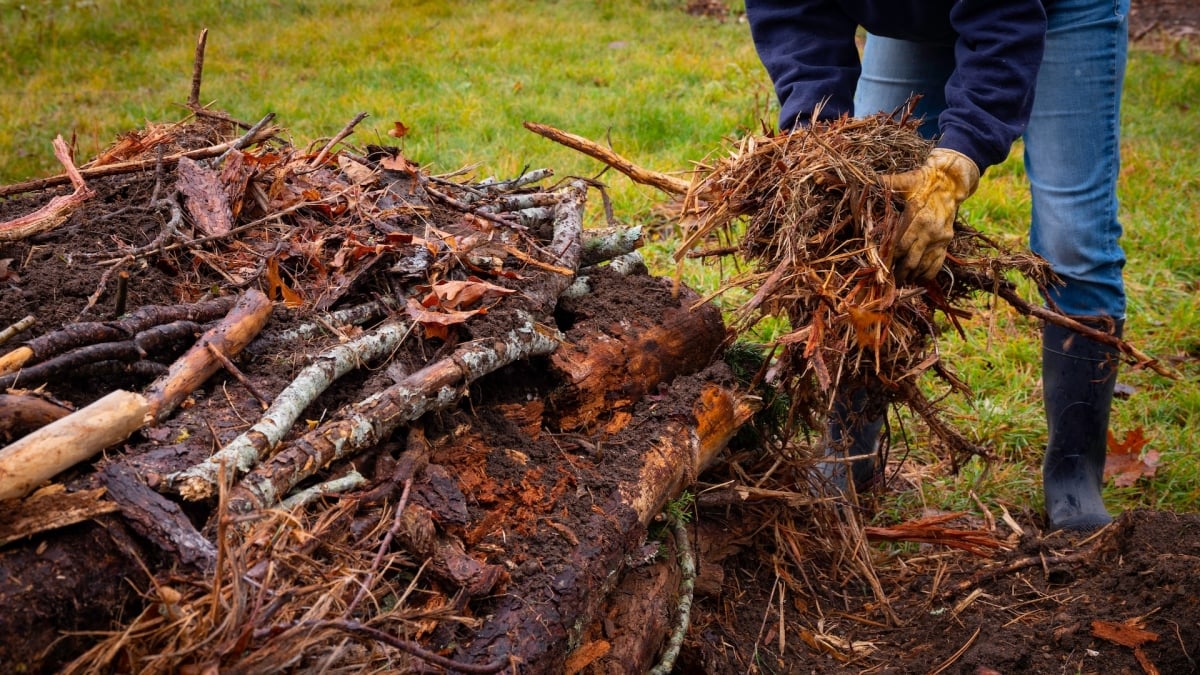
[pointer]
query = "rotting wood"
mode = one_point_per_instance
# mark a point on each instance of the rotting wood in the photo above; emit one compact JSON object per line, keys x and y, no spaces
{"x":157,"y":519}
{"x":204,"y":198}
{"x":615,"y":366}
{"x":50,"y":510}
{"x":139,"y":347}
{"x":540,"y":630}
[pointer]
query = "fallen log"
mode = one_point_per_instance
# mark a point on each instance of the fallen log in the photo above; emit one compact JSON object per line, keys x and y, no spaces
{"x":609,"y":367}
{"x":539,"y":628}
{"x":41,"y":455}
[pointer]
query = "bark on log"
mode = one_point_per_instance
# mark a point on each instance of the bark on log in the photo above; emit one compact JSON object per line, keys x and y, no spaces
{"x":539,"y":631}
{"x":614,"y":367}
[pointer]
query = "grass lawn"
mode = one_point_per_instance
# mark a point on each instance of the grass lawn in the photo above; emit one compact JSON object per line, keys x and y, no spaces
{"x":666,"y":90}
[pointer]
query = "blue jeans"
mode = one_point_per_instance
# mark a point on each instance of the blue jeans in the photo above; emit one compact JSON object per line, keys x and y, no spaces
{"x":1072,"y":143}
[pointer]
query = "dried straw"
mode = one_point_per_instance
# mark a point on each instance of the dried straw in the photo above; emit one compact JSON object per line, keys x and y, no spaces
{"x":819,"y":235}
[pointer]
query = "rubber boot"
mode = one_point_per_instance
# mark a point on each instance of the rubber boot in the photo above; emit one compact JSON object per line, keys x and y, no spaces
{"x":855,"y":422}
{"x":1078,"y":376}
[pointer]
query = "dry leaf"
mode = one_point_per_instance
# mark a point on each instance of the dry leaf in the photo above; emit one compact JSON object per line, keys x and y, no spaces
{"x":398,"y":130}
{"x":437,"y":324}
{"x":277,"y":289}
{"x":463,"y":294}
{"x":1126,"y":463}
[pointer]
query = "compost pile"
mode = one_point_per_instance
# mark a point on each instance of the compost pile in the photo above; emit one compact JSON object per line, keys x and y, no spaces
{"x":445,"y":414}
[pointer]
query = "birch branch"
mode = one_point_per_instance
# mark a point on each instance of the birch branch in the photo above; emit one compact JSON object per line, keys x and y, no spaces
{"x":370,"y":421}
{"x":242,"y":453}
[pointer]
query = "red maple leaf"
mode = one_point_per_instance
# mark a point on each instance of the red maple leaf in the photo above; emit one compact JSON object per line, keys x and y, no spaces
{"x":1126,"y":462}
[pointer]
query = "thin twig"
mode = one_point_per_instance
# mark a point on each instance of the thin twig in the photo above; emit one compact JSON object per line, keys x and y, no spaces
{"x":132,"y":166}
{"x":346,"y":131}
{"x":238,"y":375}
{"x":683,"y":614}
{"x":193,"y":101}
{"x":8,"y":333}
{"x":384,"y":546}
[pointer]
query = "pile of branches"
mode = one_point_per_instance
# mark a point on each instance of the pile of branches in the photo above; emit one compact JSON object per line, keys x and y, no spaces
{"x":372,"y":417}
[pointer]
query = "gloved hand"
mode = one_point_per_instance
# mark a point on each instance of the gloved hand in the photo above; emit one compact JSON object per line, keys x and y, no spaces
{"x":932,"y":196}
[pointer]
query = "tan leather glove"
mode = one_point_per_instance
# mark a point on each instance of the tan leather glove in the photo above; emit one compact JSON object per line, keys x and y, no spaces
{"x":932,"y":195}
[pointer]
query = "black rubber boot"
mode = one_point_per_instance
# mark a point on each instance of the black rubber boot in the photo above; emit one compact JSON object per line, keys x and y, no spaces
{"x":855,"y":422}
{"x":1078,"y":376}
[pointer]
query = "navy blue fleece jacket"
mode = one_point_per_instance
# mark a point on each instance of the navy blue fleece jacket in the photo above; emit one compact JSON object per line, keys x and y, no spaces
{"x":808,"y":49}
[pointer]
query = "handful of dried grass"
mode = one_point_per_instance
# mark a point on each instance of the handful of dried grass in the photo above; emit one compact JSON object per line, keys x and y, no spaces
{"x":819,"y":234}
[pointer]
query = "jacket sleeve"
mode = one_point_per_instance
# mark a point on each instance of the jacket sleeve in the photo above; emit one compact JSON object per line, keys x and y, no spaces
{"x":808,"y":50}
{"x":989,"y":95}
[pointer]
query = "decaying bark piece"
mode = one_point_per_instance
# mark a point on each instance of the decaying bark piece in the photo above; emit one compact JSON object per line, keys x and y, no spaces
{"x":157,"y":519}
{"x":50,"y":510}
{"x":41,"y":455}
{"x":204,"y":198}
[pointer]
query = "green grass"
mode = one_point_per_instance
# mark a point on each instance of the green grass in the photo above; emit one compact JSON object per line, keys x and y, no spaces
{"x":666,"y":90}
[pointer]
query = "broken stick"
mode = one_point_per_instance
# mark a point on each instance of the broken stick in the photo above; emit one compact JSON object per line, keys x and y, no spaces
{"x":56,"y":211}
{"x":662,"y":181}
{"x":43,"y":454}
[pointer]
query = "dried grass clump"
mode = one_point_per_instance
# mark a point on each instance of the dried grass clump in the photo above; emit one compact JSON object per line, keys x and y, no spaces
{"x":314,"y":589}
{"x":820,"y":232}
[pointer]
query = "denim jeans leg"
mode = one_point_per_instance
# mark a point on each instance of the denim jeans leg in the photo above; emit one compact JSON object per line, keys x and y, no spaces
{"x":1072,"y":154}
{"x":893,"y":70}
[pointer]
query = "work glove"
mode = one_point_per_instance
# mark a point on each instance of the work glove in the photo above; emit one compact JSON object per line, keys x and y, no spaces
{"x":932,"y":195}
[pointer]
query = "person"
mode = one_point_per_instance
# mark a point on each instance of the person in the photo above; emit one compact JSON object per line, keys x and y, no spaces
{"x":987,"y":72}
